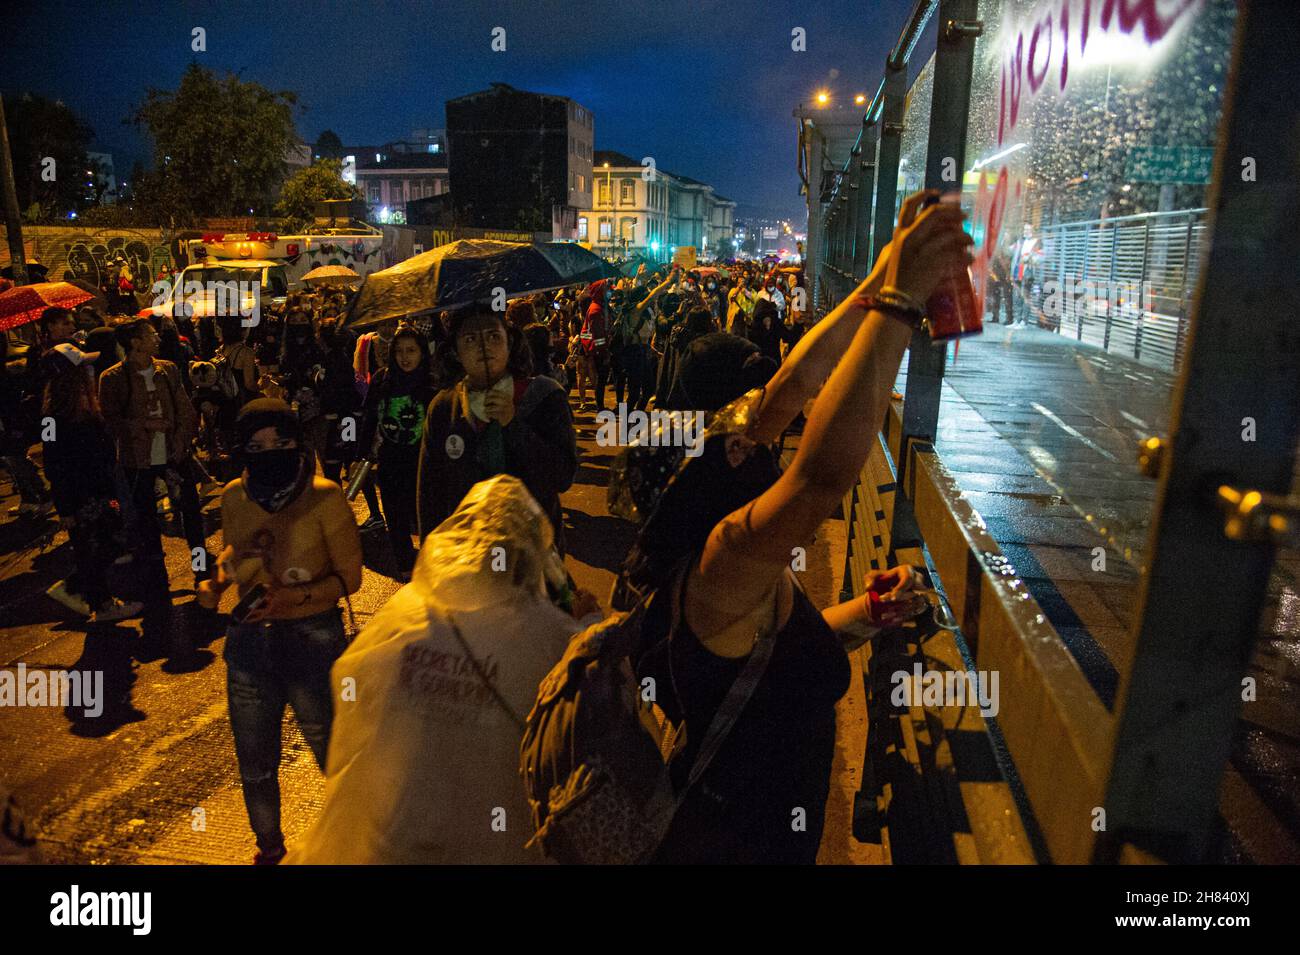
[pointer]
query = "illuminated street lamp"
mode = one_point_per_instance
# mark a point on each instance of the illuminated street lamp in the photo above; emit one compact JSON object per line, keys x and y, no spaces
{"x":860,"y":99}
{"x":823,"y":98}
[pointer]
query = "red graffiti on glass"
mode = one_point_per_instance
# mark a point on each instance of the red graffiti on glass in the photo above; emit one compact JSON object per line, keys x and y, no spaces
{"x":1030,"y":47}
{"x":990,"y":208}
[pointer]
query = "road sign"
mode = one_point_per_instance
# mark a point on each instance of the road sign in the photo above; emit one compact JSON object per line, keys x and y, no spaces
{"x":1170,"y":164}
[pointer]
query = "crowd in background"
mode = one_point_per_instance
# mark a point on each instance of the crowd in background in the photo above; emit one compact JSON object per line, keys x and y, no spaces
{"x":140,"y":416}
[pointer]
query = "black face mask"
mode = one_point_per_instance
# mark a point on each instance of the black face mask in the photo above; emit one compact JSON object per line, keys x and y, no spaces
{"x":275,"y":477}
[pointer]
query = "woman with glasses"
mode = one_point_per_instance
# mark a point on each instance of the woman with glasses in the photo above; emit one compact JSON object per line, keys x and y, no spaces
{"x":497,"y":418}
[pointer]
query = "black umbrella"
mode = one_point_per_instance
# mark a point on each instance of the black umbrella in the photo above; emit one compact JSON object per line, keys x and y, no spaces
{"x":472,"y":270}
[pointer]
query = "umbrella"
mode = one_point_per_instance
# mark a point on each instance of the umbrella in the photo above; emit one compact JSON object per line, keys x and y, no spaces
{"x":331,"y":275}
{"x":471,"y":270}
{"x":36,"y":272}
{"x":707,"y":270}
{"x":24,"y":304}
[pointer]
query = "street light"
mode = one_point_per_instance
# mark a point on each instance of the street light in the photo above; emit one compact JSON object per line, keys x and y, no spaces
{"x":823,"y":98}
{"x":860,"y":99}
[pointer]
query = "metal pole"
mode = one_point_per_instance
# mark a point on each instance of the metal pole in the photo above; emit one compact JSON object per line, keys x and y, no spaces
{"x":945,"y":159}
{"x":13,"y":220}
{"x":866,"y":160}
{"x":1199,"y":601}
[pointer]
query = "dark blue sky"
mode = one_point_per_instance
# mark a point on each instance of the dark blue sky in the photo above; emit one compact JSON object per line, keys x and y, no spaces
{"x":706,"y":88}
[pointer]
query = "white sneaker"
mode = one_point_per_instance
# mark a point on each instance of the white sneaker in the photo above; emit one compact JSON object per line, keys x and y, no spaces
{"x":116,"y":609}
{"x":73,"y":602}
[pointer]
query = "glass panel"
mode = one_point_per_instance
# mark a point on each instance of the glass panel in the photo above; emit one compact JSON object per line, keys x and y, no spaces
{"x":1086,"y":176}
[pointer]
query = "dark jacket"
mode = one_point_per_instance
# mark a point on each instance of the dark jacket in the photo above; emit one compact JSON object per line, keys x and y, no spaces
{"x":539,"y":443}
{"x":124,"y":401}
{"x":79,"y":464}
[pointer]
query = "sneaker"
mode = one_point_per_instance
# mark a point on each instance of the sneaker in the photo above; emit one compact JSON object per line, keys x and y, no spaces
{"x":115,"y":609}
{"x":73,"y":602}
{"x":373,"y":521}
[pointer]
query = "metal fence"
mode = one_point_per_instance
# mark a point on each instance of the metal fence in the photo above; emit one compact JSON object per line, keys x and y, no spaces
{"x":1124,"y":284}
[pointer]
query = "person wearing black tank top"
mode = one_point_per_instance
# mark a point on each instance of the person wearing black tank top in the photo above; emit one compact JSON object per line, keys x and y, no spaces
{"x":718,"y":540}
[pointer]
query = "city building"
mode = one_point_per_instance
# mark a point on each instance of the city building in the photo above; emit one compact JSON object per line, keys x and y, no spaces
{"x":636,"y":211}
{"x":520,"y":160}
{"x":398,"y":177}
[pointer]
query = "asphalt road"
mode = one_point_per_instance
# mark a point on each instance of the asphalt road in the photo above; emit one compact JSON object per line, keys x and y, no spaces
{"x":153,"y":779}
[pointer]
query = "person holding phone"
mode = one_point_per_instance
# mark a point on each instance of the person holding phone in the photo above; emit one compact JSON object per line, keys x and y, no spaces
{"x":293,"y":551}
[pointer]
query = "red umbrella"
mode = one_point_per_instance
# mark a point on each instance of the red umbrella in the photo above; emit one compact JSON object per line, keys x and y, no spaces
{"x":24,"y":303}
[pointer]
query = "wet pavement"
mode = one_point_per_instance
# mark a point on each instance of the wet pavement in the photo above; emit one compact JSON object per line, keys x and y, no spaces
{"x":1043,"y":432}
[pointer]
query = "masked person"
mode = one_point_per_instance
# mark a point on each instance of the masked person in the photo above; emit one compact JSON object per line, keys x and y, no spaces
{"x":302,"y":372}
{"x":497,"y":419}
{"x":393,"y":419}
{"x":293,"y":551}
{"x":424,"y":765}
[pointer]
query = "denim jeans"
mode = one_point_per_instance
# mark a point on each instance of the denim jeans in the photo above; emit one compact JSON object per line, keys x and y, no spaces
{"x":268,"y":665}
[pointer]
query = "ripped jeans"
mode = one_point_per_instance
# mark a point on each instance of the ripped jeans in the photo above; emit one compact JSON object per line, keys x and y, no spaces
{"x":270,"y":664}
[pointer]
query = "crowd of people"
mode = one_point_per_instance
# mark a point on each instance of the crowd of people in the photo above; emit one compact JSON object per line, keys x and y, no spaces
{"x":458,"y":427}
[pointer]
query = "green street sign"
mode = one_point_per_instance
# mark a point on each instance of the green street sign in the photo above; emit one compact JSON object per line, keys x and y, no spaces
{"x":1170,"y":164}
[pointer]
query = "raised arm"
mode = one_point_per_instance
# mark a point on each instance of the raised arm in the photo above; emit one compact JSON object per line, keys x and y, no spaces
{"x":747,"y":551}
{"x":812,"y":360}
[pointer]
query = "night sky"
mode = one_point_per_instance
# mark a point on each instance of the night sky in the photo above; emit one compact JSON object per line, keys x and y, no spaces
{"x":706,"y":88}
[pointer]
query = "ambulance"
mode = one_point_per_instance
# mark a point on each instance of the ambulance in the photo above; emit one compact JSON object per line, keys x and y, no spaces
{"x":357,"y":246}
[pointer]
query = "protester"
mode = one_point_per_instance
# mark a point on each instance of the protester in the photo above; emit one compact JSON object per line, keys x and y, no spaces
{"x":498,"y":419}
{"x":152,"y":420}
{"x":79,"y":462}
{"x":291,"y":537}
{"x":765,"y":329}
{"x":595,"y":339}
{"x":393,"y":419}
{"x":719,"y":535}
{"x":340,"y":400}
{"x":540,"y":346}
{"x":18,"y":428}
{"x":634,"y":326}
{"x":423,"y":767}
{"x":301,"y":372}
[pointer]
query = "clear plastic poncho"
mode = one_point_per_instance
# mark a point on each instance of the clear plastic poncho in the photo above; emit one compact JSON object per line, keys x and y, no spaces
{"x":423,"y":762}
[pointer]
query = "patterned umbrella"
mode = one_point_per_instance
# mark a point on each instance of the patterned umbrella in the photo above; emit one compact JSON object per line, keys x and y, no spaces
{"x":472,"y":270}
{"x":331,"y":275}
{"x":24,"y":304}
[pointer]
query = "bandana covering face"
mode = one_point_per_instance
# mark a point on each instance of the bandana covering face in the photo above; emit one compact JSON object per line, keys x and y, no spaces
{"x":276,"y":478}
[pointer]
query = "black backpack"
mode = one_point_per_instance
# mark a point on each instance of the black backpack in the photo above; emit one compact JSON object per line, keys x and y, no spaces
{"x":596,"y":754}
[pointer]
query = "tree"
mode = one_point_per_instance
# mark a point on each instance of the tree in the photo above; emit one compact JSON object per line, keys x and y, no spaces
{"x":321,"y":180}
{"x":329,"y":146}
{"x":41,"y":130}
{"x":219,"y":147}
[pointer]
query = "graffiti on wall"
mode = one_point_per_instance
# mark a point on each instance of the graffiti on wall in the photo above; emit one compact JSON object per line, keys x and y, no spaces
{"x":87,"y":255}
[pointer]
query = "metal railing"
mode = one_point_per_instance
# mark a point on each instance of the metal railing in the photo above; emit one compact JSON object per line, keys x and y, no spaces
{"x":1124,"y":284}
